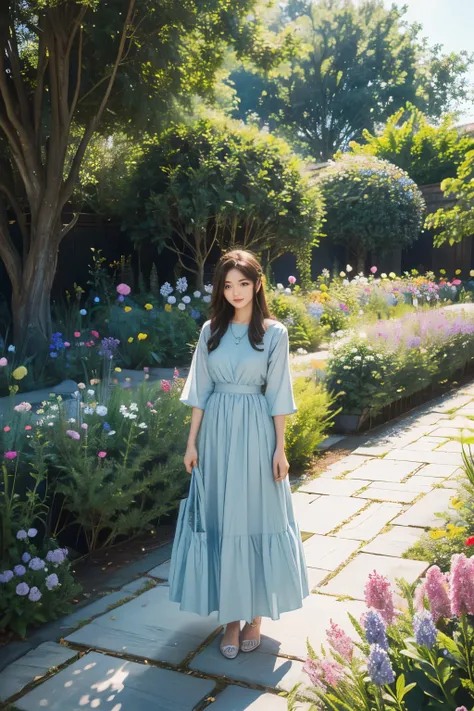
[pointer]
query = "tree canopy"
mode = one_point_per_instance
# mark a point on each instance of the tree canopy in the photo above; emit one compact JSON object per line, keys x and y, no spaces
{"x":427,"y":153}
{"x":356,"y":64}
{"x":216,"y":183}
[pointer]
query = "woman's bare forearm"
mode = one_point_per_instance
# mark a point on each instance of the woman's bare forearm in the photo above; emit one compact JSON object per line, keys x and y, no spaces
{"x":279,"y":421}
{"x":196,"y":418}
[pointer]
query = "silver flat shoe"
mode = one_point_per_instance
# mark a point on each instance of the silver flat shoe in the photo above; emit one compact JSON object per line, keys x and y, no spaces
{"x":248,"y":645}
{"x":229,"y":650}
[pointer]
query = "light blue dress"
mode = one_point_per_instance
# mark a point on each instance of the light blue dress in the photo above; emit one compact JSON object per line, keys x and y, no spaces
{"x":255,"y":558}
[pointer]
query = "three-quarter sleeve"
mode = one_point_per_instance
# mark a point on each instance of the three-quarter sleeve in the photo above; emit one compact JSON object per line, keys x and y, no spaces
{"x":279,"y":386}
{"x":199,"y":384}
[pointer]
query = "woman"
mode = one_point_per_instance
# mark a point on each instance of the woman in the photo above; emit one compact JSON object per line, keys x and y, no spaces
{"x":254,"y":559}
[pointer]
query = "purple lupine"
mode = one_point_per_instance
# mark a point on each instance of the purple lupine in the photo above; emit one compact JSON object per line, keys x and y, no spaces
{"x":426,"y":633}
{"x":109,"y":347}
{"x":379,"y":666}
{"x":375,"y":629}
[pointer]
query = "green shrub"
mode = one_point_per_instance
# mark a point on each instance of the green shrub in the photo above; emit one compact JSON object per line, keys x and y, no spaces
{"x":307,"y":427}
{"x":303,"y":330}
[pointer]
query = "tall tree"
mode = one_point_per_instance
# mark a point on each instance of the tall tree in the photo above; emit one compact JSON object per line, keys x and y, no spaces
{"x":70,"y":69}
{"x":357,"y":64}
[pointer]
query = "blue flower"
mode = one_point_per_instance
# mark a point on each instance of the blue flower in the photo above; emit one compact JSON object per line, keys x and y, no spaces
{"x":107,"y":427}
{"x":53,"y":354}
{"x":425,"y":631}
{"x":11,"y":349}
{"x":375,"y":629}
{"x":96,"y":300}
{"x":83,"y":312}
{"x":379,"y":666}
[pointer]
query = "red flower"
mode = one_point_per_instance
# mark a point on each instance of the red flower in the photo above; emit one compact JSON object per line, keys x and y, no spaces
{"x":470,"y":541}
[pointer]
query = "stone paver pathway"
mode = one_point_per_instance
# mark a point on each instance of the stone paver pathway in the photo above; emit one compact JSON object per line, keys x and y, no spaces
{"x":362,"y":513}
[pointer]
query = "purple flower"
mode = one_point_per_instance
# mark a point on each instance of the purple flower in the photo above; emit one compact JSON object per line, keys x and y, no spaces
{"x":34,"y":595}
{"x":32,"y":532}
{"x":36,"y":564}
{"x":52,"y":581}
{"x":22,"y":589}
{"x":25,"y":557}
{"x":57,"y":556}
{"x":21,"y":535}
{"x":425,"y":630}
{"x":379,"y":666}
{"x":19,"y":570}
{"x":375,"y":629}
{"x":109,"y":347}
{"x":6,"y":576}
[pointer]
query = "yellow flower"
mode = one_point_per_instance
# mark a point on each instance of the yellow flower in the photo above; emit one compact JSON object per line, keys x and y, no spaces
{"x":148,"y":307}
{"x":142,"y":336}
{"x":118,"y":370}
{"x":456,"y":503}
{"x":20,"y":372}
{"x":323,"y":287}
{"x":392,"y":275}
{"x":130,"y":340}
{"x":437,"y":533}
{"x":127,"y":309}
{"x":457,"y":272}
{"x":471,"y":273}
{"x":318,"y":364}
{"x":442,"y":271}
{"x":454,"y":530}
{"x":167,"y":307}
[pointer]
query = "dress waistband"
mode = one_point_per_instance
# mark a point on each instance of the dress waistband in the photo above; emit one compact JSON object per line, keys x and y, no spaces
{"x":236,"y":388}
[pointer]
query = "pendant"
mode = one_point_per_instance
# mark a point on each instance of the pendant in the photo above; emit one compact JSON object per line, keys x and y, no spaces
{"x":237,"y":342}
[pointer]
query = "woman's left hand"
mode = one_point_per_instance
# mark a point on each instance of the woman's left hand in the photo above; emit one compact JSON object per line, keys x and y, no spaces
{"x":280,"y":465}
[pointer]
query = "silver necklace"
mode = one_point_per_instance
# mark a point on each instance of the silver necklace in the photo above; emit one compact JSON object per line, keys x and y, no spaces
{"x":237,"y":339}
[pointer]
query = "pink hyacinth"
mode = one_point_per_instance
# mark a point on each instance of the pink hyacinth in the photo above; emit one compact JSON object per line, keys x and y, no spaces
{"x":340,"y":641}
{"x":77,"y":334}
{"x":123,"y":289}
{"x":419,"y":597}
{"x":101,"y":455}
{"x":456,"y":282}
{"x":333,"y":671}
{"x":73,"y":434}
{"x":176,"y":373}
{"x":11,"y":455}
{"x":462,"y":585}
{"x":314,"y":670}
{"x":373,"y":270}
{"x":437,"y":592}
{"x":7,"y":429}
{"x":66,"y":344}
{"x":378,"y":595}
{"x":3,"y":362}
{"x":292,"y":279}
{"x":165,"y":386}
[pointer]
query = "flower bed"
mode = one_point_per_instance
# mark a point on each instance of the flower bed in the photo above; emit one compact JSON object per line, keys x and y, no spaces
{"x":395,"y":359}
{"x":419,"y":658}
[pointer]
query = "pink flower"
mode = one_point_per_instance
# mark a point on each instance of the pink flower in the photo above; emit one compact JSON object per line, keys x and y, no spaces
{"x":462,"y":585}
{"x":149,"y":404}
{"x":123,"y":289}
{"x":146,"y":369}
{"x":456,"y":282}
{"x":73,"y":434}
{"x":373,"y":270}
{"x":28,"y":428}
{"x":101,"y":455}
{"x":378,"y":595}
{"x":67,"y":344}
{"x":340,"y":641}
{"x":3,"y":362}
{"x":165,"y":386}
{"x":333,"y":671}
{"x":314,"y":670}
{"x":292,"y":279}
{"x":11,"y":455}
{"x":6,"y":429}
{"x":176,"y":373}
{"x":419,"y":597}
{"x":437,"y":592}
{"x":84,"y":425}
{"x":95,"y":334}
{"x":77,"y":334}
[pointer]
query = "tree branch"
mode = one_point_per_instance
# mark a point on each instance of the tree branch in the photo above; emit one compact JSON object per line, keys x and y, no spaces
{"x":68,"y":185}
{"x":67,"y":228}
{"x":39,"y":90}
{"x":20,"y":215}
{"x":78,"y":79}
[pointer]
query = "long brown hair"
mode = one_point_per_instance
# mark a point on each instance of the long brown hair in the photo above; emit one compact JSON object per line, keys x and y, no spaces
{"x":221,"y":311}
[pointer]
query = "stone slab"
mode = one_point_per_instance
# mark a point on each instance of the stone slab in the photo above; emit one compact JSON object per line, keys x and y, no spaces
{"x":428,"y":482}
{"x":447,"y":431}
{"x":452,"y":403}
{"x":425,"y":444}
{"x":328,"y":552}
{"x":450,"y":447}
{"x":327,"y":512}
{"x":458,"y":422}
{"x":329,"y":442}
{"x":395,"y":542}
{"x":32,"y":666}
{"x":374,"y":451}
{"x":161,"y":571}
{"x":423,"y":513}
{"x":352,"y":579}
{"x":401,"y":496}
{"x":411,"y":484}
{"x":98,"y":607}
{"x":438,"y":471}
{"x":148,"y":626}
{"x":347,"y":464}
{"x":103,"y":682}
{"x":135,"y":586}
{"x":316,"y":577}
{"x":237,"y":698}
{"x":404,"y":455}
{"x":431,"y":418}
{"x":335,"y":487}
{"x":383,"y":470}
{"x":369,"y":522}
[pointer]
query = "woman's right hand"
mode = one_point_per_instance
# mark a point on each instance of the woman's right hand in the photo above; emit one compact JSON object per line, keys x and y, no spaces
{"x":190,"y":458}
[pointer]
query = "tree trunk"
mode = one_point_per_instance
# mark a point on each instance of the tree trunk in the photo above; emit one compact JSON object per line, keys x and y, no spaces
{"x":31,"y":298}
{"x":200,"y":274}
{"x":361,"y":259}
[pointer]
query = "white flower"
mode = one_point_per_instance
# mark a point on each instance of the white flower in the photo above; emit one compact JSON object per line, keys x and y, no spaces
{"x":101,"y":410}
{"x":342,"y":274}
{"x":71,"y":420}
{"x":353,"y":350}
{"x":182,"y":284}
{"x":345,"y":282}
{"x":186,"y":299}
{"x":348,"y":268}
{"x":166,"y":289}
{"x":81,"y":386}
{"x":182,"y":307}
{"x":301,"y":351}
{"x":88,"y":410}
{"x":363,"y":280}
{"x":383,"y":275}
{"x":339,"y":334}
{"x":112,"y":432}
{"x":197,"y":294}
{"x":357,"y":358}
{"x":206,"y":298}
{"x":126,"y":414}
{"x":171,"y":299}
{"x":143,"y":425}
{"x":133,"y":407}
{"x":361,"y":312}
{"x":287,"y":290}
{"x":362,"y":334}
{"x":122,"y":408}
{"x":132,"y":416}
{"x":208,"y":288}
{"x":280,"y":286}
{"x":91,"y":392}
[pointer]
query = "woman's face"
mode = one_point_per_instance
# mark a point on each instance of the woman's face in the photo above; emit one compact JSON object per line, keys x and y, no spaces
{"x":238,"y":290}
